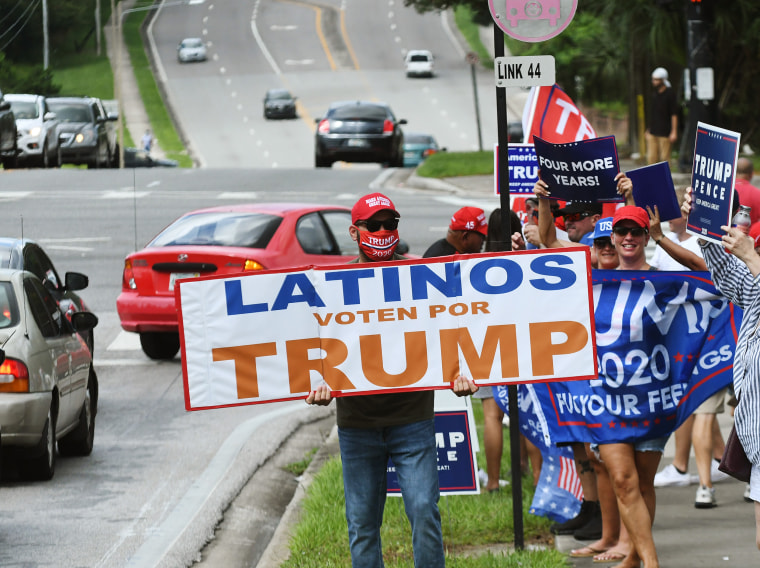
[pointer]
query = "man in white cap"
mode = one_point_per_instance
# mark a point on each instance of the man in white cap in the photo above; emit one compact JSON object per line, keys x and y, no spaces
{"x":662,"y":121}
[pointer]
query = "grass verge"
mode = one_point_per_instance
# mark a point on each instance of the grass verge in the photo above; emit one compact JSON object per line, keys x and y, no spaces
{"x":471,"y":34}
{"x":476,"y":528}
{"x":453,"y":164}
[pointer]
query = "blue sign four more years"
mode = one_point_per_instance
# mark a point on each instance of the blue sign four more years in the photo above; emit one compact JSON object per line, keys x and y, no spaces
{"x":580,"y":171}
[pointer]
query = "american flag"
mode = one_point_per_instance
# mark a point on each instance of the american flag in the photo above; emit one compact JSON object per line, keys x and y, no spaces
{"x":568,"y":477}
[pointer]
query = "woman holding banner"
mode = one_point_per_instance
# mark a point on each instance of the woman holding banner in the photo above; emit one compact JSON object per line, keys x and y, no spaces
{"x":632,"y":465}
{"x":735,"y":269}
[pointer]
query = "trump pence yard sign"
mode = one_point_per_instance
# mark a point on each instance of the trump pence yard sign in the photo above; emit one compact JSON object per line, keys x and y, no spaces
{"x":498,"y":318}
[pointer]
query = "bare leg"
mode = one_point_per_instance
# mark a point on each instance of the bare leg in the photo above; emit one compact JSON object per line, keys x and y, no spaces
{"x":719,"y":445}
{"x":493,"y":439}
{"x":623,"y":466}
{"x":683,"y":438}
{"x":535,"y":458}
{"x":607,"y":504}
{"x":585,"y":472}
{"x":702,"y":438}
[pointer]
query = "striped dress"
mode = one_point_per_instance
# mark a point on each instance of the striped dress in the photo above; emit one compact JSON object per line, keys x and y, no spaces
{"x":732,"y":277}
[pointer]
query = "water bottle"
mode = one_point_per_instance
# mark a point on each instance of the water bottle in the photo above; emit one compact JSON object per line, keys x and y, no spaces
{"x":742,"y":219}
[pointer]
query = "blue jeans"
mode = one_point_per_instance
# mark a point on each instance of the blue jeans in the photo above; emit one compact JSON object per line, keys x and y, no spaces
{"x":365,"y":454}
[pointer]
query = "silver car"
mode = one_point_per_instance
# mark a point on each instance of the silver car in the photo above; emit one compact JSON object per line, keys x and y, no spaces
{"x":37,"y":130}
{"x":191,"y":49}
{"x":48,"y":387}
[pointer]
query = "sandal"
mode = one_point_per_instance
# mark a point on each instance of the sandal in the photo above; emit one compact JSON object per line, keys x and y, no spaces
{"x":586,"y":552}
{"x":610,"y":556}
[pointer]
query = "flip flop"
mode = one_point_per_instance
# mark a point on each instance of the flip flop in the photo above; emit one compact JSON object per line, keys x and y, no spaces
{"x":586,"y":552}
{"x":609,"y":556}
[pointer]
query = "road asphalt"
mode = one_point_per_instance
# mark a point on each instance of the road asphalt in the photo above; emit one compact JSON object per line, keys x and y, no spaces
{"x":258,"y":524}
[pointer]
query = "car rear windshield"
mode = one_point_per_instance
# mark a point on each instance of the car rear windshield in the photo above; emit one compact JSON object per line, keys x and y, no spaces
{"x":359,"y":112}
{"x":8,"y":306}
{"x":418,"y":139}
{"x":226,"y":229}
{"x":24,"y":109}
{"x":419,"y":58}
{"x":68,"y":112}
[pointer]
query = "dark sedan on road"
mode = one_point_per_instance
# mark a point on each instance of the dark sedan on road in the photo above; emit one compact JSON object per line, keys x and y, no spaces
{"x":85,"y":133}
{"x":279,"y":103}
{"x":359,"y":131}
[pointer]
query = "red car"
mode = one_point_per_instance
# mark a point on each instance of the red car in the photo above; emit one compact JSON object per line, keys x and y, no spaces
{"x":224,"y":240}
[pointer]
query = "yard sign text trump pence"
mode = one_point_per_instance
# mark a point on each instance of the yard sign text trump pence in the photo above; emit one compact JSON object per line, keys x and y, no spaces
{"x":499,"y":318}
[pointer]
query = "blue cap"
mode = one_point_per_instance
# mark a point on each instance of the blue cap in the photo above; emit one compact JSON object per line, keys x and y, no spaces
{"x":603,"y":228}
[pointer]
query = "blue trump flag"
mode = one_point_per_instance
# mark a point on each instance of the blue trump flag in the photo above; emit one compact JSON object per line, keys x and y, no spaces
{"x":558,"y":492}
{"x":665,"y":343}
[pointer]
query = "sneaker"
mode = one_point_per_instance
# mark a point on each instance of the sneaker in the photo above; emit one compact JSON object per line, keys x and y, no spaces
{"x":705,"y":498}
{"x":747,"y":498}
{"x":670,"y":476}
{"x":716,"y":475}
{"x":588,"y":510}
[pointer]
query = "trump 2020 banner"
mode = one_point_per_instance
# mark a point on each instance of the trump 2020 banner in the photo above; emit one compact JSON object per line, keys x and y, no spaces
{"x":712,"y":180}
{"x":498,"y":318}
{"x":665,"y":343}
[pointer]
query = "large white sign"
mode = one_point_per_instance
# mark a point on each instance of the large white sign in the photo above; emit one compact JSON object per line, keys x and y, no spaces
{"x":498,"y":318}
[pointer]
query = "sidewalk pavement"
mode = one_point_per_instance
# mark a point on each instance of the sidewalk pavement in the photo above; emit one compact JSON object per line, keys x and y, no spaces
{"x":132,"y":110}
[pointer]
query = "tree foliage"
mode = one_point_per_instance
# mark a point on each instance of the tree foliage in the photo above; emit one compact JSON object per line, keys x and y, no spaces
{"x":610,"y":49}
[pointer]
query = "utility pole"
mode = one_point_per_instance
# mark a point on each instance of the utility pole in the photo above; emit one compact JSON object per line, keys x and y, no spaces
{"x":97,"y":26}
{"x":698,"y":83}
{"x":45,"y":38}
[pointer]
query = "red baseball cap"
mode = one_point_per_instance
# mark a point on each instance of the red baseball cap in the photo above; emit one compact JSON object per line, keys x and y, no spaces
{"x":371,"y":204}
{"x":631,"y":213}
{"x":469,"y":219}
{"x":754,"y":232}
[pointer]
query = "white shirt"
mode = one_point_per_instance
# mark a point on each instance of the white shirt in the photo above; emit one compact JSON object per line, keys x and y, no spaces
{"x":661,"y":260}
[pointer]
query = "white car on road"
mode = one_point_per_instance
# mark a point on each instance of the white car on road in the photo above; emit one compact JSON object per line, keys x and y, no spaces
{"x":419,"y":63}
{"x":191,"y":49}
{"x":37,"y":130}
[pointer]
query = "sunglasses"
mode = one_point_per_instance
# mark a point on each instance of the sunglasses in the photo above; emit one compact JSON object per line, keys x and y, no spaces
{"x":635,"y":231}
{"x":603,"y":242}
{"x":574,"y":217}
{"x":373,"y":225}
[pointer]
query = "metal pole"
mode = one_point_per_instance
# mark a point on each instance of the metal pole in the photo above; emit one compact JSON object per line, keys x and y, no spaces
{"x":502,"y":160}
{"x":477,"y":105}
{"x":45,"y":36}
{"x":119,"y":47}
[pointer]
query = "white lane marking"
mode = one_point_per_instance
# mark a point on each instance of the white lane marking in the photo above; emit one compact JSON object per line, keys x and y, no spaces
{"x":281,"y":28}
{"x":164,"y":536}
{"x":260,"y":41}
{"x":76,"y":240}
{"x":125,"y":341}
{"x":486,"y":205}
{"x":154,"y":184}
{"x":123,"y":194}
{"x":247,"y":195}
{"x":14,"y":194}
{"x":299,"y":62}
{"x":123,"y":363}
{"x":70,"y":248}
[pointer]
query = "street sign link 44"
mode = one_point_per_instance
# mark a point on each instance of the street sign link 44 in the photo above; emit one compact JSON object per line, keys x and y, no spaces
{"x":526,"y":71}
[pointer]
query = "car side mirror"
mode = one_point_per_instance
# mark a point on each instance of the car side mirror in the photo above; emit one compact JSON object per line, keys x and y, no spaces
{"x":402,"y":121}
{"x":49,"y":116}
{"x":5,"y":105}
{"x":76,"y":281}
{"x":2,"y":356}
{"x":83,"y":321}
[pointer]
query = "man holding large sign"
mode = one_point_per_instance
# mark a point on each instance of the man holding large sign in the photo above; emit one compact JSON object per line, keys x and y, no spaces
{"x":401,"y":426}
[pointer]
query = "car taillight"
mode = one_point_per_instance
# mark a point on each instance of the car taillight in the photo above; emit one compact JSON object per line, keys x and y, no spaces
{"x":324,"y":126}
{"x":128,"y":279}
{"x":387,"y":126}
{"x":428,"y":152}
{"x":253,"y":265}
{"x":14,"y":376}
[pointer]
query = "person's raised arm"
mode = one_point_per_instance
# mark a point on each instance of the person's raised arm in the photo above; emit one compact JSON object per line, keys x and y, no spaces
{"x":625,"y":188}
{"x":676,"y":251}
{"x":547,"y":232}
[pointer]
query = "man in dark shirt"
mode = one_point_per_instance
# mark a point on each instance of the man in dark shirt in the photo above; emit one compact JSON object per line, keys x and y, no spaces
{"x":662,"y":123}
{"x":466,"y":234}
{"x":374,"y":427}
